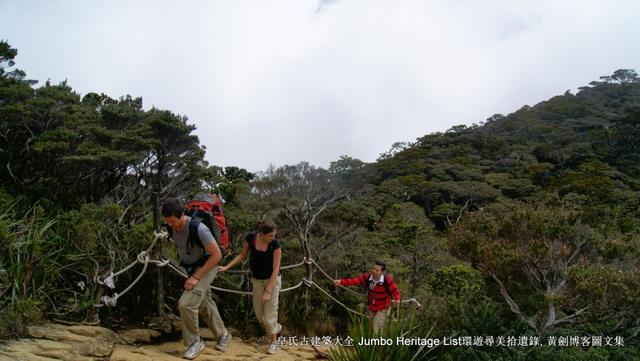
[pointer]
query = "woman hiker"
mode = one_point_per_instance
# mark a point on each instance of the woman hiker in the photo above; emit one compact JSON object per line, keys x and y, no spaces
{"x":264,"y":254}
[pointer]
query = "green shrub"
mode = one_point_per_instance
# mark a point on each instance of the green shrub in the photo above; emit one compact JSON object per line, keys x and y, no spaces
{"x":361,"y":329}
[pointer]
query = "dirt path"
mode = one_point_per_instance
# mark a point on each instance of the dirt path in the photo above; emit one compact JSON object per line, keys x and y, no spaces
{"x":51,"y":342}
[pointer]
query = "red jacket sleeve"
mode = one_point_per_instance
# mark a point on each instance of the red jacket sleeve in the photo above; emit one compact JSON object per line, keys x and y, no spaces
{"x":356,"y":281}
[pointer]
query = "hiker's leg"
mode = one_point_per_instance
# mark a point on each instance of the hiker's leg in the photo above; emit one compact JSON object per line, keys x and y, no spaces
{"x":188,"y":306}
{"x":208,"y":308}
{"x":378,"y":320}
{"x":258,"y":306}
{"x":372,"y":315}
{"x":209,"y":312}
{"x":270,"y":310}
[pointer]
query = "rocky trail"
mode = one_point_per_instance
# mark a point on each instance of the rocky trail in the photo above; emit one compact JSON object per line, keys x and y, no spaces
{"x":55,"y":342}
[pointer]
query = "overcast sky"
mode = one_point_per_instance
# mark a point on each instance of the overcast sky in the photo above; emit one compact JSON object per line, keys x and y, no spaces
{"x":278,"y":82}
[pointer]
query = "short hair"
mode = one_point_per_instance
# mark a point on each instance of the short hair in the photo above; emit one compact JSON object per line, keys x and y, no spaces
{"x":172,"y":207}
{"x":382,"y":265}
{"x":266,"y":226}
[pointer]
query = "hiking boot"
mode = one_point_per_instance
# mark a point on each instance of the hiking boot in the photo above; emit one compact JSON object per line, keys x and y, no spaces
{"x":223,"y":341}
{"x":194,"y":349}
{"x":272,"y":348}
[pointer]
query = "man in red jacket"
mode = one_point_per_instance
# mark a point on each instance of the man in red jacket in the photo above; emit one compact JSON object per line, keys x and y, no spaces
{"x":382,"y":292}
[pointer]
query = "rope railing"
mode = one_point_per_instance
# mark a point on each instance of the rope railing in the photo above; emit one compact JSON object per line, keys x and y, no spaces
{"x":142,"y":257}
{"x":111,"y":301}
{"x":282,"y":268}
{"x":108,"y":280}
{"x":246,"y":293}
{"x":237,"y":271}
{"x":184,"y":275}
{"x":311,"y":283}
{"x":294,"y":265}
{"x":292,"y":288}
{"x":215,"y":288}
{"x":331,"y":279}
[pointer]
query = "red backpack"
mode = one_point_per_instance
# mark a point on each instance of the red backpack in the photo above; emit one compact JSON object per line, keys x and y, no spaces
{"x":207,"y":209}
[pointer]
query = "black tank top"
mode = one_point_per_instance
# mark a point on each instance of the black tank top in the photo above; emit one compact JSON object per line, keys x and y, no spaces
{"x":261,"y":261}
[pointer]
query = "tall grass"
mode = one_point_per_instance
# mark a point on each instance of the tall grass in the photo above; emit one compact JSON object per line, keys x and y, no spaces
{"x":406,"y":327}
{"x":32,"y":264}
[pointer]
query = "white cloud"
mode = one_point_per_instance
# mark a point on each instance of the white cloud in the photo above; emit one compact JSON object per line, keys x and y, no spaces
{"x":279,"y":81}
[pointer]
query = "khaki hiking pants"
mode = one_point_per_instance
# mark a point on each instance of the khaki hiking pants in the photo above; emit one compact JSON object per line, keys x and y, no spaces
{"x":378,"y":319}
{"x":266,"y":313}
{"x":198,"y":301}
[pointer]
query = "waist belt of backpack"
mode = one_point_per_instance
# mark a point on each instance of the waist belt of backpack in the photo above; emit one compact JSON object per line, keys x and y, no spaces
{"x":192,"y":267}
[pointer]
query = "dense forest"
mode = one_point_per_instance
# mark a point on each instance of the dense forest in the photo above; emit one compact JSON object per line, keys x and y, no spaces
{"x":522,"y":225}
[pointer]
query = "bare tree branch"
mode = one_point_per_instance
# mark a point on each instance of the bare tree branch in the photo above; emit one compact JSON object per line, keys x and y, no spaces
{"x":512,"y":304}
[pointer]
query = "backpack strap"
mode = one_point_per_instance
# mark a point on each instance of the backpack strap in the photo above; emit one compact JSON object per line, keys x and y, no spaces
{"x":386,"y":283}
{"x":194,"y":237}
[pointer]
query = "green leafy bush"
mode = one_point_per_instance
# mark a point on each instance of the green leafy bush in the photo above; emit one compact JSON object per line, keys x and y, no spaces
{"x":361,"y":329}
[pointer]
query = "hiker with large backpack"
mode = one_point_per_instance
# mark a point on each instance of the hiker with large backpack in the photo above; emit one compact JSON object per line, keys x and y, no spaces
{"x":265,"y":255}
{"x":382,"y":292}
{"x":199,"y":255}
{"x":207,"y":208}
